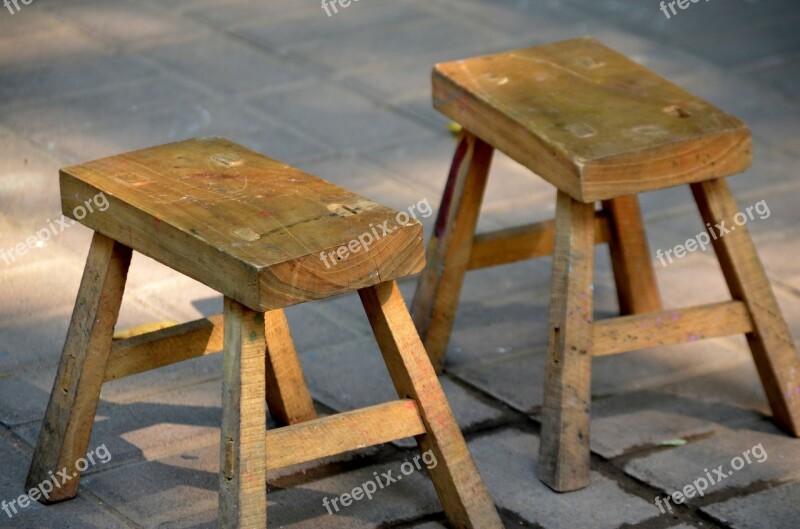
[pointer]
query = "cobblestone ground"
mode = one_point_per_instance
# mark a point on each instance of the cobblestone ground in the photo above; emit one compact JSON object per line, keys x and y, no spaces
{"x":347,"y":97}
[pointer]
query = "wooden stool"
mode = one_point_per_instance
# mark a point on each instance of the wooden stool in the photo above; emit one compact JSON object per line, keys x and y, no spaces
{"x":252,"y":228}
{"x":599,"y":127}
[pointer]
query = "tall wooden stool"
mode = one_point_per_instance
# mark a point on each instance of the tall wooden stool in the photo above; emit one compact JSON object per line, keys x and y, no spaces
{"x":267,"y":236}
{"x":599,"y":127}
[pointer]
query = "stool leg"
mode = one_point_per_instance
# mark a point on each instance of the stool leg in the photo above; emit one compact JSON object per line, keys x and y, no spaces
{"x":67,"y":426}
{"x":771,"y":341}
{"x":288,"y":398}
{"x":464,"y":497}
{"x":564,"y":450}
{"x":438,"y":291}
{"x":634,"y":274}
{"x":243,"y":462}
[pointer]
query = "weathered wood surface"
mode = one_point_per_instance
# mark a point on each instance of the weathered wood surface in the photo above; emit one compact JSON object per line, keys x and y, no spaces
{"x":530,"y":241}
{"x":288,"y":398}
{"x":244,"y":224}
{"x":439,"y":289}
{"x":770,"y":341}
{"x":164,"y":347}
{"x":342,"y":432}
{"x":455,"y":477}
{"x":634,"y":275}
{"x":243,"y":464}
{"x":564,"y":449}
{"x":68,"y":421}
{"x":589,"y":120}
{"x":686,"y":325}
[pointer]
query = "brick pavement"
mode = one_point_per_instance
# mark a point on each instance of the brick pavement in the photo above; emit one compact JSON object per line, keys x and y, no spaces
{"x":347,"y":97}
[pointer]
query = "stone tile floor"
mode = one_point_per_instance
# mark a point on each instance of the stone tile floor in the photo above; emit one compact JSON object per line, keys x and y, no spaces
{"x":347,"y":97}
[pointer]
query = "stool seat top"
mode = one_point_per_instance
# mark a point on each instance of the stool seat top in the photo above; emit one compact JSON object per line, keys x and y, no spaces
{"x":253,"y":228}
{"x":589,"y":120}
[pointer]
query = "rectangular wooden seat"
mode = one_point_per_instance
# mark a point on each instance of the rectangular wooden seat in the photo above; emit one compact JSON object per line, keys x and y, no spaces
{"x":589,"y":120}
{"x":253,"y":228}
{"x":600,"y":128}
{"x":266,"y":235}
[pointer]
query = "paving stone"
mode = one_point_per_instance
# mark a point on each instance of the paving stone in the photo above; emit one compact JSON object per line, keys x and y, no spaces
{"x":36,"y":49}
{"x":301,"y":506}
{"x":28,"y":188}
{"x":162,"y":491}
{"x":419,"y":106}
{"x":428,"y":164}
{"x":82,"y":512}
{"x":154,"y":427}
{"x":697,"y":279}
{"x":776,"y":37}
{"x":727,"y":23}
{"x":211,"y":117}
{"x":771,"y":209}
{"x":427,"y":41}
{"x":672,"y":469}
{"x":64,"y":78}
{"x":771,"y":116}
{"x":74,"y":87}
{"x":201,"y":520}
{"x":227,"y":66}
{"x":440,"y":38}
{"x":766,"y":176}
{"x":178,"y":298}
{"x":44,"y":284}
{"x":51,"y":287}
{"x":33,"y":343}
{"x":121,"y":23}
{"x":781,"y":72}
{"x":738,"y":385}
{"x":172,"y":491}
{"x":516,"y":378}
{"x":339,"y":117}
{"x":507,"y":463}
{"x":37,"y":341}
{"x":183,"y":5}
{"x":33,"y":21}
{"x":24,"y":393}
{"x":505,"y":308}
{"x":20,"y":401}
{"x":327,"y":329}
{"x":353,"y":375}
{"x":501,"y":309}
{"x":111,"y":104}
{"x":774,"y":508}
{"x":281,"y":33}
{"x":779,"y":261}
{"x":648,"y":418}
{"x":227,"y":14}
{"x":530,"y":22}
{"x":347,"y":311}
{"x":148,"y":492}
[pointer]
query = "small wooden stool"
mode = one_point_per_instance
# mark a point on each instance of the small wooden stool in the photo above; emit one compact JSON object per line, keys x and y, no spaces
{"x":599,"y":127}
{"x":252,"y":228}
